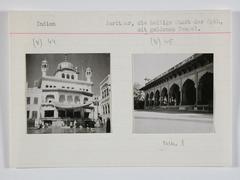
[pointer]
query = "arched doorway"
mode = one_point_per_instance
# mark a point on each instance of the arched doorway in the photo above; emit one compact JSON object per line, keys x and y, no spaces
{"x":164,"y":97}
{"x":151,"y":99}
{"x":174,"y":95}
{"x":205,"y":89}
{"x":157,"y":97}
{"x":147,"y":99}
{"x":188,"y":93}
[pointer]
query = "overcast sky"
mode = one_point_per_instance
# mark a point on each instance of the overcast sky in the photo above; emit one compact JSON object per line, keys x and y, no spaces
{"x":152,"y":65}
{"x":99,"y":63}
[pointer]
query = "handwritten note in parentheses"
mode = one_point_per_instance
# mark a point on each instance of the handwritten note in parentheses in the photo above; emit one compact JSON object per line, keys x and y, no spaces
{"x":43,"y":42}
{"x":159,"y":42}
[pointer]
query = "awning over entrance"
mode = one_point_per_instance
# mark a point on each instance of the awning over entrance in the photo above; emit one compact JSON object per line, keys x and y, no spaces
{"x":73,"y":106}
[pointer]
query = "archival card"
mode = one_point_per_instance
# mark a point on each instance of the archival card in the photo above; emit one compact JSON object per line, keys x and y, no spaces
{"x":126,"y":88}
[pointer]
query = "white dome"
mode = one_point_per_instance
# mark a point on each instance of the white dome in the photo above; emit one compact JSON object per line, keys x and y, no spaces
{"x":65,"y":65}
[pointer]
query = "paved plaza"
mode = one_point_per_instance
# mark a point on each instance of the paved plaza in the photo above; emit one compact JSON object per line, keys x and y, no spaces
{"x":161,"y":122}
{"x":59,"y":130}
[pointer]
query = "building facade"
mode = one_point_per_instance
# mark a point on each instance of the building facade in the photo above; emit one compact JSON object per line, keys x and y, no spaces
{"x":34,"y":99}
{"x":62,"y":97}
{"x":105,"y":90}
{"x":188,"y":86}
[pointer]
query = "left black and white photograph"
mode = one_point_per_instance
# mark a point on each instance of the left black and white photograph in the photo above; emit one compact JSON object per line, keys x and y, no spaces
{"x":68,"y":93}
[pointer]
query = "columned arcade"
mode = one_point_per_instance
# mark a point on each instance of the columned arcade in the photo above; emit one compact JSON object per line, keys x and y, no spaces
{"x":188,"y":86}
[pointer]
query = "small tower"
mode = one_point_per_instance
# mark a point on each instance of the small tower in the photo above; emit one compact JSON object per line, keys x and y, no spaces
{"x":65,"y":57}
{"x":76,"y":70}
{"x":44,"y":67}
{"x":88,"y":74}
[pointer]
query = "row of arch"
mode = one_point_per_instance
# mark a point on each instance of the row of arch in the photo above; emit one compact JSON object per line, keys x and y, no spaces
{"x":188,"y":94}
{"x":67,"y":76}
{"x":106,"y":109}
{"x":65,"y":98}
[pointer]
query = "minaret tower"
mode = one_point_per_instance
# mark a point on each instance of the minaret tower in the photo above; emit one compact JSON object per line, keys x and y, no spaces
{"x":88,"y":74}
{"x":44,"y":67}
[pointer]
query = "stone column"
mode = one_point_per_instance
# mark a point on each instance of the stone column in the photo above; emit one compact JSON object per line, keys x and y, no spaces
{"x":180,"y":89}
{"x":82,"y":113}
{"x":196,"y":86}
{"x":145,"y":100}
{"x":160,"y":97}
{"x":93,"y":114}
{"x":168,"y":94}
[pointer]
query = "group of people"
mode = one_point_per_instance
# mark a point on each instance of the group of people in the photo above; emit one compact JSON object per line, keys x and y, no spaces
{"x":86,"y":123}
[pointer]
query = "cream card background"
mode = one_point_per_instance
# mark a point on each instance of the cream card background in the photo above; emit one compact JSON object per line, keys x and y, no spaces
{"x":121,"y":147}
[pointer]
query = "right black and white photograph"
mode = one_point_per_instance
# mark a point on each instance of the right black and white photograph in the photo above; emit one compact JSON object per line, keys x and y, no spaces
{"x":173,"y":93}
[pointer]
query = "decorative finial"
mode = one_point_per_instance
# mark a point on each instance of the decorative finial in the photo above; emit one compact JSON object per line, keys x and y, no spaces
{"x":44,"y":67}
{"x":44,"y":59}
{"x":88,"y":74}
{"x":76,"y":69}
{"x":65,"y":57}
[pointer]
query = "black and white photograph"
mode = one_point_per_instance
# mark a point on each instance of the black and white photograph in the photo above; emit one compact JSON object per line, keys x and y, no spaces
{"x":68,"y":93}
{"x":173,"y":93}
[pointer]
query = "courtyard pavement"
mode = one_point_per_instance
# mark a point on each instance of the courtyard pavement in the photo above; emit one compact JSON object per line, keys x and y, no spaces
{"x":60,"y":130}
{"x":161,"y":122}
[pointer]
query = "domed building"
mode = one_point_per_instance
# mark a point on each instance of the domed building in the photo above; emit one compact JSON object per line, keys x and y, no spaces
{"x":61,"y":98}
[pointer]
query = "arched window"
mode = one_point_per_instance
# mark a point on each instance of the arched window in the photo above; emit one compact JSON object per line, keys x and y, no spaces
{"x":61,"y":98}
{"x":68,"y":76}
{"x":69,"y":99}
{"x":72,"y":76}
{"x":77,"y":99}
{"x":63,"y":75}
